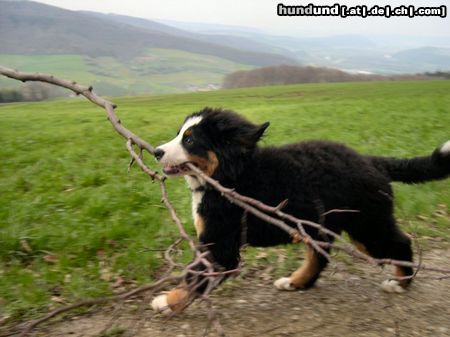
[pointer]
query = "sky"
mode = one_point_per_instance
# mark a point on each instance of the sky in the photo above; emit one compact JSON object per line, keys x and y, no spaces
{"x":262,"y":14}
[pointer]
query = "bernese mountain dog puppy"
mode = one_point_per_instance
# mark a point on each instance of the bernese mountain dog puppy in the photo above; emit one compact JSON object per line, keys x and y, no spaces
{"x":314,"y":176}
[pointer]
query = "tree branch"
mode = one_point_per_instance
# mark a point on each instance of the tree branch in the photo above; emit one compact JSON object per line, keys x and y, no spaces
{"x":210,"y":277}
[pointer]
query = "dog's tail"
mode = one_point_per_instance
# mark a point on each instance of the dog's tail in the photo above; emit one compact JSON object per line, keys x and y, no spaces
{"x":418,"y":169}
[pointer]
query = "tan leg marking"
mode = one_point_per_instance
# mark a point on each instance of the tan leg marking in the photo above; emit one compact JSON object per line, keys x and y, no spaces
{"x":360,"y":246}
{"x":307,"y":271}
{"x":400,"y":272}
{"x":177,"y":299}
{"x":390,"y":286}
{"x":397,"y":285}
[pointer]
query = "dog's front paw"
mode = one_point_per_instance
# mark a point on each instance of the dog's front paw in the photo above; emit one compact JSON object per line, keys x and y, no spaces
{"x":175,"y":300}
{"x":392,"y":286}
{"x":160,"y":305}
{"x":284,"y":283}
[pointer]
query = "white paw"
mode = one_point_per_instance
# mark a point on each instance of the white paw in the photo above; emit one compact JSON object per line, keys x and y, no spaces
{"x":445,"y":148}
{"x":159,"y":304}
{"x":284,"y":283}
{"x":392,"y":286}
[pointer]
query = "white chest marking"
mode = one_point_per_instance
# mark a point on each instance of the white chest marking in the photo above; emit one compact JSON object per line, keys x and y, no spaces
{"x":196,"y":200}
{"x":197,"y":197}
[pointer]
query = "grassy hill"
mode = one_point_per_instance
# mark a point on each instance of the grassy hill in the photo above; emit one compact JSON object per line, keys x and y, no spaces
{"x":155,"y":71}
{"x":72,"y":219}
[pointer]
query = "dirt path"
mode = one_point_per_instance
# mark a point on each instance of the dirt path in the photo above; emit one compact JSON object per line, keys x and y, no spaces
{"x":347,"y":301}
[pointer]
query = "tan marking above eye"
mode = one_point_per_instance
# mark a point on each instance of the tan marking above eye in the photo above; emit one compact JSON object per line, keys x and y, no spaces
{"x":188,"y":133}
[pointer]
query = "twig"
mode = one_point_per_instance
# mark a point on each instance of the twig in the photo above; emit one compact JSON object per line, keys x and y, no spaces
{"x":101,"y":300}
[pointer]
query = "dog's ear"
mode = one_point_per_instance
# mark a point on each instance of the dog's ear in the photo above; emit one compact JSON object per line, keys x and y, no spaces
{"x":228,"y":128}
{"x":251,"y":134}
{"x":260,"y":130}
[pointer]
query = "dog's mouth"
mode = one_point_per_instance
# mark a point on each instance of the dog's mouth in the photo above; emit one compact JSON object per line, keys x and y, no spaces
{"x":180,"y":169}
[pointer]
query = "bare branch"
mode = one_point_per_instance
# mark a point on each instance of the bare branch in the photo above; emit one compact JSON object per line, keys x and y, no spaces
{"x":206,"y":276}
{"x":101,"y":300}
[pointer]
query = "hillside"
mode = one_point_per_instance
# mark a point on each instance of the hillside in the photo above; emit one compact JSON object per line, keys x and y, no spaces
{"x":156,"y":71}
{"x":379,"y":54}
{"x":43,"y":29}
{"x":425,"y":55}
{"x":224,"y":39}
{"x":117,"y":57}
{"x":123,"y":55}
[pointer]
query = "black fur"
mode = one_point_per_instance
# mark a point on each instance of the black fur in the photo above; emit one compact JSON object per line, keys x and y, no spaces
{"x":415,"y":170}
{"x":314,"y":176}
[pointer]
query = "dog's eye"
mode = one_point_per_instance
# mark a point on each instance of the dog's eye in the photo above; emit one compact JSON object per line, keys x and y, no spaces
{"x":188,"y":140}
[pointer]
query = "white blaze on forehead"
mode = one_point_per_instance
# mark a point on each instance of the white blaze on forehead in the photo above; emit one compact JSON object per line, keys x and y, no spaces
{"x":446,"y":147}
{"x":174,"y":153}
{"x":189,"y":123}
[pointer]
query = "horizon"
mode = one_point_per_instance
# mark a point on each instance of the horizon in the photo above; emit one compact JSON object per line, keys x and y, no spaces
{"x":223,"y":13}
{"x":197,"y":57}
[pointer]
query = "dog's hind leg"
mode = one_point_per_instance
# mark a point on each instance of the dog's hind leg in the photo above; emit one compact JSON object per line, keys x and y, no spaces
{"x":397,"y":246}
{"x":306,"y":275}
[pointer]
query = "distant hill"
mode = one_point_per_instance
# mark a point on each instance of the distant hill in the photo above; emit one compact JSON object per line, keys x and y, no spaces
{"x":286,"y":74}
{"x":117,"y":54}
{"x":213,"y":28}
{"x":214,"y":36}
{"x":123,"y":55}
{"x":381,"y":54}
{"x":43,"y":29}
{"x":146,"y":24}
{"x":425,"y":55}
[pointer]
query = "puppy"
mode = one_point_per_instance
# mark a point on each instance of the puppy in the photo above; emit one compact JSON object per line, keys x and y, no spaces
{"x":314,"y":176}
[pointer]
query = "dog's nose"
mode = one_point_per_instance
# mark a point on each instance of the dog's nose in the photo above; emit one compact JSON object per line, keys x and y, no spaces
{"x":159,"y":153}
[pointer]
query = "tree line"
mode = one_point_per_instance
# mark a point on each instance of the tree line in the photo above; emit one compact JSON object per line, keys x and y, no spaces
{"x":288,"y":74}
{"x":29,"y":92}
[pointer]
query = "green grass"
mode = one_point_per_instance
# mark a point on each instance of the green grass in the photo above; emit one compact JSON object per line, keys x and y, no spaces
{"x":156,"y":71}
{"x":65,"y":190}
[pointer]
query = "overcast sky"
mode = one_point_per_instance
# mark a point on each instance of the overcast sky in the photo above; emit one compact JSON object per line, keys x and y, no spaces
{"x":262,"y":14}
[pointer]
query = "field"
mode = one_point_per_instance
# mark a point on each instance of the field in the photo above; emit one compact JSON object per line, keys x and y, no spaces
{"x":72,"y":220}
{"x":157,"y":70}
